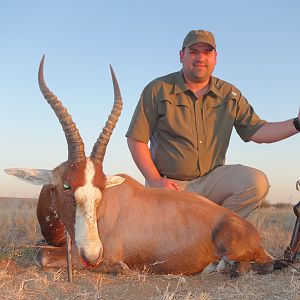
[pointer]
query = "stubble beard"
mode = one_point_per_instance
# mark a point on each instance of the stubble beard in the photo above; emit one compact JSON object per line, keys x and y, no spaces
{"x":200,"y":75}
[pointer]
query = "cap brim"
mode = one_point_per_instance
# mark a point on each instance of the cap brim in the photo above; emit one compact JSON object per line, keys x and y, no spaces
{"x":200,"y":41}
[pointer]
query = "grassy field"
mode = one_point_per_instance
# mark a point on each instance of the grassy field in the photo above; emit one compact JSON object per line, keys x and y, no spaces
{"x":21,"y":279}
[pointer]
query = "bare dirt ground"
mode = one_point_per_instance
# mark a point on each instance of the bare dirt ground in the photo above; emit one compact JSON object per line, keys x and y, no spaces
{"x":20,"y":278}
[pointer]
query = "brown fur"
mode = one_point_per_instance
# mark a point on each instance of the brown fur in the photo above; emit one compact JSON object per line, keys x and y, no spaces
{"x":54,"y":197}
{"x":52,"y":228}
{"x":166,"y":231}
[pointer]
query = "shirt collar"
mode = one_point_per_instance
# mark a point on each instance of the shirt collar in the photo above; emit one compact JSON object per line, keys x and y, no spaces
{"x":213,"y":86}
{"x":180,"y":86}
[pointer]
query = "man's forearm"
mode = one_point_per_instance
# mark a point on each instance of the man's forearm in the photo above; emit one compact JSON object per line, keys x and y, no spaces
{"x":141,"y":155}
{"x":274,"y":132}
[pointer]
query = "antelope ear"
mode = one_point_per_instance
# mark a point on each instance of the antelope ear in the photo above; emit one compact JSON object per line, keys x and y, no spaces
{"x":34,"y":176}
{"x":113,"y":180}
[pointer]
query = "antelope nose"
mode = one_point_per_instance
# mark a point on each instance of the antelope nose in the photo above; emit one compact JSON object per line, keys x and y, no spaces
{"x":91,"y":259}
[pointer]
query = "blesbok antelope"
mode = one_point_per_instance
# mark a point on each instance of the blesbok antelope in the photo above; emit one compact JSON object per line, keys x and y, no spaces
{"x":115,"y":222}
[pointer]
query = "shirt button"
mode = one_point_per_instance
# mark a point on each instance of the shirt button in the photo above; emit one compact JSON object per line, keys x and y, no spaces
{"x":200,"y":142}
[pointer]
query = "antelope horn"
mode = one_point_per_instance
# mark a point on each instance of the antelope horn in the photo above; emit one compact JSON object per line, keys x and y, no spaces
{"x":75,"y":143}
{"x":99,"y":148}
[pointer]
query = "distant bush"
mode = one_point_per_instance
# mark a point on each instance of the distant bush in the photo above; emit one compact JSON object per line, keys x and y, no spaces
{"x":282,"y":205}
{"x":267,"y":204}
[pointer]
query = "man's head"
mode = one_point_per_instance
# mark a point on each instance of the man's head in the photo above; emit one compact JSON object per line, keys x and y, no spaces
{"x":198,"y":56}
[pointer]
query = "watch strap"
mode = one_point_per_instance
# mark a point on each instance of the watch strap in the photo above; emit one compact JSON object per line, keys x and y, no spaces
{"x":296,"y":123}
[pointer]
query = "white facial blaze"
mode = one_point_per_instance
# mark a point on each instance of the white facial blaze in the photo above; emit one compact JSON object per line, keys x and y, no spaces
{"x":86,"y":230}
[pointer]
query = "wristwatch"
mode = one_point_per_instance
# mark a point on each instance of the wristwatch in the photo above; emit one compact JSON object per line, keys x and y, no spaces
{"x":296,"y":123}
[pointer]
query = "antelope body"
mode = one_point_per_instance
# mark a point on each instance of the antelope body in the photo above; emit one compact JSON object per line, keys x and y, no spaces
{"x":115,"y":222}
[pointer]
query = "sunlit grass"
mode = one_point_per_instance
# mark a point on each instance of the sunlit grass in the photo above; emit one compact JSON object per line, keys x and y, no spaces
{"x":19,"y":230}
{"x":275,"y":226}
{"x":21,"y":279}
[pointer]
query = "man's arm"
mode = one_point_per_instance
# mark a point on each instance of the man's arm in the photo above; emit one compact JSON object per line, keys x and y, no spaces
{"x":275,"y":131}
{"x":141,"y":155}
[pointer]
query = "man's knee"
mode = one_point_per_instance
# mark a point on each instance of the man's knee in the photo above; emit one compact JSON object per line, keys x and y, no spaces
{"x":260,"y":184}
{"x":253,"y":190}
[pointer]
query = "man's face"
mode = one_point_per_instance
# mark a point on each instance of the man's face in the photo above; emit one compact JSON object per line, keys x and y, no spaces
{"x":198,"y":62}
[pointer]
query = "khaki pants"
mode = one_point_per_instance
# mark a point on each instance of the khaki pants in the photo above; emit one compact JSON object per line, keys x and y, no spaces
{"x":237,"y":187}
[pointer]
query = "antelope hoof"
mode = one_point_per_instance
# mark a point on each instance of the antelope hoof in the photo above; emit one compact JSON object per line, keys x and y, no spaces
{"x":221,"y":265}
{"x":210,"y":268}
{"x":115,"y":268}
{"x":262,"y":268}
{"x":239,"y":268}
{"x":50,"y":257}
{"x":119,"y":268}
{"x":234,"y":273}
{"x":280,"y":264}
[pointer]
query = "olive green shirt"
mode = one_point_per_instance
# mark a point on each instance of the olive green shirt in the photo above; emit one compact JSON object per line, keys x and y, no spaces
{"x":189,"y":136}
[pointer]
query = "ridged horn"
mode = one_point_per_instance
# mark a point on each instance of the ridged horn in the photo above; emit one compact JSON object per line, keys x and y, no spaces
{"x":99,"y":148}
{"x":75,"y":143}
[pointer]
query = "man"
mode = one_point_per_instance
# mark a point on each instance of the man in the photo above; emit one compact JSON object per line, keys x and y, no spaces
{"x":188,"y":116}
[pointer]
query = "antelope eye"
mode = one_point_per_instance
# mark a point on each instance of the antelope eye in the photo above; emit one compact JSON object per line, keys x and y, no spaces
{"x":67,"y":187}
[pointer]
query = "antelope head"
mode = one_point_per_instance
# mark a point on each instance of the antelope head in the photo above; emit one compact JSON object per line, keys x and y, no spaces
{"x":76,"y":185}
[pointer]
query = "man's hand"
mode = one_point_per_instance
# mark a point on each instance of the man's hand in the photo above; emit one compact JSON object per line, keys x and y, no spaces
{"x":163,"y":183}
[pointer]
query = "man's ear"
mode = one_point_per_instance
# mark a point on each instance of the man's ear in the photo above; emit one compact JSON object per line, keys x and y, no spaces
{"x":113,"y":180}
{"x":181,"y":55}
{"x":34,"y":176}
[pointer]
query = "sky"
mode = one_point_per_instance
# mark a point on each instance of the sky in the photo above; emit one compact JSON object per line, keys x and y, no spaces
{"x":258,"y":51}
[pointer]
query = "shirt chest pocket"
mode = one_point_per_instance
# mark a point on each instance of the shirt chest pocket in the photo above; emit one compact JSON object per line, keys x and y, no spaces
{"x":175,"y":116}
{"x":219,"y":115}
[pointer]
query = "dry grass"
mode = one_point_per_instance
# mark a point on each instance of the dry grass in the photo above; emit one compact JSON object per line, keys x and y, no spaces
{"x":275,"y":226}
{"x":21,"y":279}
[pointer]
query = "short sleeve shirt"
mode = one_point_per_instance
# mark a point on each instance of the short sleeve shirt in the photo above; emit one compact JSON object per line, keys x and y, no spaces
{"x":189,"y":136}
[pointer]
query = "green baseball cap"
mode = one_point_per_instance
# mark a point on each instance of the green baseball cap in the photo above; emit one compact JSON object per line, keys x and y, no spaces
{"x":199,"y":36}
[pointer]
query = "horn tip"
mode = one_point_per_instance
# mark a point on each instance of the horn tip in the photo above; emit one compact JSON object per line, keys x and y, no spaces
{"x":112,"y":70}
{"x":42,"y":63}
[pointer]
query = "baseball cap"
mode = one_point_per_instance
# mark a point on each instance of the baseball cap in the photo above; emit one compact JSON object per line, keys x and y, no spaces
{"x":199,"y":36}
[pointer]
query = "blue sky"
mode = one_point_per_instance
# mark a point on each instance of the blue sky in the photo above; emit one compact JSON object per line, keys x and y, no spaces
{"x":258,"y":51}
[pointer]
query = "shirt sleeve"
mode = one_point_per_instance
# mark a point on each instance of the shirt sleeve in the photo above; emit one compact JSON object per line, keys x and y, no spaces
{"x":144,"y":117}
{"x":247,"y":121}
